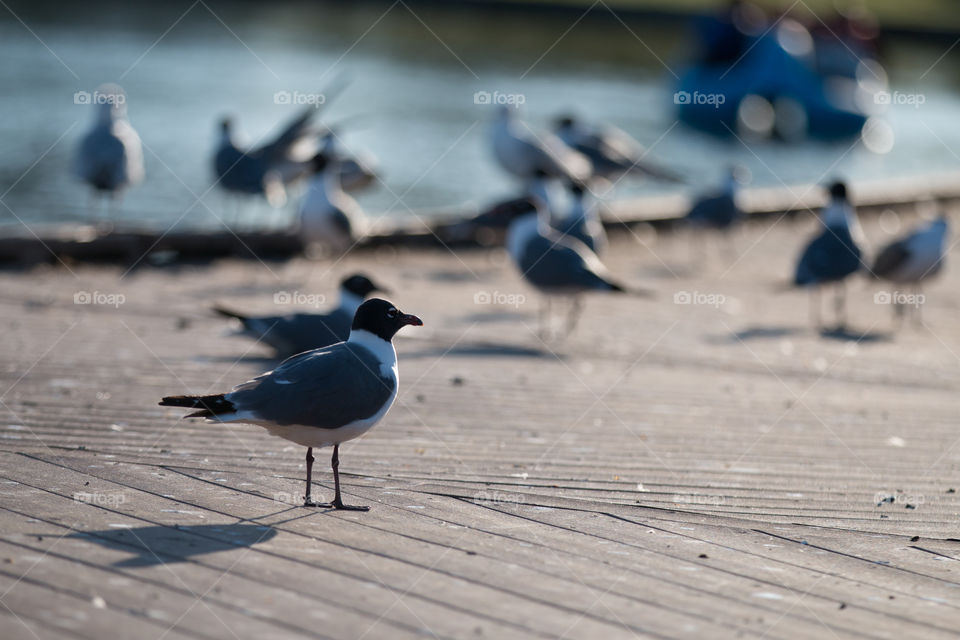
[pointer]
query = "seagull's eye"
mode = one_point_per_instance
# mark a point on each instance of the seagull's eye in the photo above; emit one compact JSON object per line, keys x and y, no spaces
{"x":392,"y":313}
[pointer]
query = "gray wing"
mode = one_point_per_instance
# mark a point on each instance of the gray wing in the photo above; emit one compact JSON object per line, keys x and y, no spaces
{"x":891,"y":258}
{"x":326,"y":388}
{"x":101,"y":160}
{"x":299,"y":332}
{"x":563,"y":264}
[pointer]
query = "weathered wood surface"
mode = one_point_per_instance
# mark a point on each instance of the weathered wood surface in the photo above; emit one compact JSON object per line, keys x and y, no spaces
{"x":671,"y":470}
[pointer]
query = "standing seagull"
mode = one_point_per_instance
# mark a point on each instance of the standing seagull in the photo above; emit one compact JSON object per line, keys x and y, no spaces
{"x":267,"y":169}
{"x":582,"y":220}
{"x":329,"y":217}
{"x":323,"y":397}
{"x":913,"y":259}
{"x":719,"y":210}
{"x":298,"y":332}
{"x":556,"y":265}
{"x":832,"y":255}
{"x":110,"y":157}
{"x":613,"y":153}
{"x":523,"y":152}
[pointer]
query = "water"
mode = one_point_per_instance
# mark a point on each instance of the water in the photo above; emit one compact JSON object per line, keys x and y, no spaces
{"x":414,"y":79}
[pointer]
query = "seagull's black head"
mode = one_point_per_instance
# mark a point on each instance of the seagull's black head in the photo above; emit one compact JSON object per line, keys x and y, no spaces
{"x":565,"y":122}
{"x":382,"y":319}
{"x":319,"y":163}
{"x":360,"y":285}
{"x":838,"y":190}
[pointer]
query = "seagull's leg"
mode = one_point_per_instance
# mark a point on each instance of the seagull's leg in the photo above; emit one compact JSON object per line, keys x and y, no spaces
{"x":573,"y":316}
{"x":918,"y":303}
{"x":307,"y":500}
{"x":815,"y":306}
{"x":840,"y":304}
{"x":337,"y":502}
{"x":545,"y":318}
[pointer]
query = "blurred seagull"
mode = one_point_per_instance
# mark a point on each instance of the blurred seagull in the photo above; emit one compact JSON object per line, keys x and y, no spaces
{"x":330,"y":219}
{"x":110,"y":157}
{"x":523,"y":152}
{"x":320,"y":398}
{"x":612,"y":153}
{"x":298,"y":332}
{"x":912,"y":260}
{"x":556,"y":265}
{"x":266,"y":169}
{"x":719,"y":210}
{"x":357,"y":170}
{"x":832,"y":255}
{"x":582,"y":220}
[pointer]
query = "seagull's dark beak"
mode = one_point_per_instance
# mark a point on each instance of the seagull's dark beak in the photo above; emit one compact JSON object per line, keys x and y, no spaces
{"x":406,"y":318}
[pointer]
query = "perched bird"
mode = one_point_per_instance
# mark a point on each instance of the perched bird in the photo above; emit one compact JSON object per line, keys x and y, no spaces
{"x":832,"y":255}
{"x":523,"y":152}
{"x":912,"y":260}
{"x":329,"y":217}
{"x":556,"y":265}
{"x":582,"y":220}
{"x":299,"y":332}
{"x":322,"y":397}
{"x":110,"y":157}
{"x":357,"y":170}
{"x":267,"y":169}
{"x":719,"y":210}
{"x":612,"y":153}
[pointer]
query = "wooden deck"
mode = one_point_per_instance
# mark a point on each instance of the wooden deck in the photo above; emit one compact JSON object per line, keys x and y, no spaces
{"x":711,"y":470}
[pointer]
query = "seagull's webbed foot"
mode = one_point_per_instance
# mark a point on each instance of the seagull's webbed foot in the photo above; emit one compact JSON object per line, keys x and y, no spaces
{"x":338,"y":504}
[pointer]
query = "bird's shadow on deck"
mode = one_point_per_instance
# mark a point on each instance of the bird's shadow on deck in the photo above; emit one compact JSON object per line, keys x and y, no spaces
{"x":155,"y":545}
{"x":842,"y":334}
{"x":488,"y":349}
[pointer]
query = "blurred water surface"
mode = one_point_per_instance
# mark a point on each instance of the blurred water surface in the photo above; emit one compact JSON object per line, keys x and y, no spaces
{"x":414,"y":75}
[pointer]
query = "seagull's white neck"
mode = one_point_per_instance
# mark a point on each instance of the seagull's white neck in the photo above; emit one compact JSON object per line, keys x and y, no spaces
{"x":382,"y":349}
{"x":349,"y":301}
{"x":520,"y":232}
{"x":837,"y":214}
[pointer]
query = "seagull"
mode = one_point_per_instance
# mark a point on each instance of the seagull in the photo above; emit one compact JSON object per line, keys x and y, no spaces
{"x":556,"y":265}
{"x":110,"y":157}
{"x":357,"y":171}
{"x":523,"y":152}
{"x":267,"y":169}
{"x":299,"y":332}
{"x":582,"y":221}
{"x":913,"y":259}
{"x":322,"y":397}
{"x":720,"y":210}
{"x":833,"y":254}
{"x":329,"y":217}
{"x":612,"y":153}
